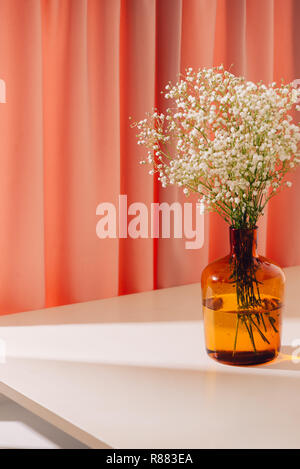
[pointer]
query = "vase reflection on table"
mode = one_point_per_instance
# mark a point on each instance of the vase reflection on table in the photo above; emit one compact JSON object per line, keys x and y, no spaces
{"x":242,"y":296}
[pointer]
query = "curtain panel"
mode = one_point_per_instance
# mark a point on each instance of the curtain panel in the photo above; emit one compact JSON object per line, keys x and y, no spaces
{"x":75,"y":71}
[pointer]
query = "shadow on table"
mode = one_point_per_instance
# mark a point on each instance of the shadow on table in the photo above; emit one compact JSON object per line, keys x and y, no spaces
{"x":166,"y":305}
{"x":30,"y":430}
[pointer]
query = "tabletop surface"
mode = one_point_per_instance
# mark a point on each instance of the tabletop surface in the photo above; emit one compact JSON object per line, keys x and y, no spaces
{"x":132,"y":372}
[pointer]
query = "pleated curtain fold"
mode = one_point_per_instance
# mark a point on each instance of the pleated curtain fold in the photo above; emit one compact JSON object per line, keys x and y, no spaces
{"x":75,"y":71}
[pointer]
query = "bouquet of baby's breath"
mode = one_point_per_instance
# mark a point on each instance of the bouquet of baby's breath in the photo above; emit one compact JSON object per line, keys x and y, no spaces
{"x":234,"y":141}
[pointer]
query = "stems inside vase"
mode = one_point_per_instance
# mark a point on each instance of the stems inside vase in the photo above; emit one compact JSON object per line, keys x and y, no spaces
{"x":244,"y":265}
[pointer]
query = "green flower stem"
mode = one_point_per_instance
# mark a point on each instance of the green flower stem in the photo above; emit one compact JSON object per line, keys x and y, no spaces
{"x":236,"y":333}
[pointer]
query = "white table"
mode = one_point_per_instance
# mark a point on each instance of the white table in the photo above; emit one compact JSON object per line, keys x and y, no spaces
{"x":132,"y":372}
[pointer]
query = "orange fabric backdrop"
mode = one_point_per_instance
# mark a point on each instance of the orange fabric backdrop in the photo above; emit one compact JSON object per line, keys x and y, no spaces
{"x":75,"y":70}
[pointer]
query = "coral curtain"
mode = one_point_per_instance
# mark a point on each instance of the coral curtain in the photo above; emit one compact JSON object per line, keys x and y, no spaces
{"x":75,"y":70}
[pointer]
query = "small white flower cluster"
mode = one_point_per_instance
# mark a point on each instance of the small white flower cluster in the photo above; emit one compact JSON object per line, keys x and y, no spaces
{"x":232,"y":141}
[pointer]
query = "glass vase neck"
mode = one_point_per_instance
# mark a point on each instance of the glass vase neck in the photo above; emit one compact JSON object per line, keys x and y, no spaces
{"x":243,"y":239}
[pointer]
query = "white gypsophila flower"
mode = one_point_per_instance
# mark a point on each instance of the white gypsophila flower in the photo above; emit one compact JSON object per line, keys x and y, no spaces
{"x":230,"y":140}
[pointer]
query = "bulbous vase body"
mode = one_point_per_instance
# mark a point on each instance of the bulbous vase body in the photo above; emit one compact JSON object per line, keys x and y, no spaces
{"x":242,"y":296}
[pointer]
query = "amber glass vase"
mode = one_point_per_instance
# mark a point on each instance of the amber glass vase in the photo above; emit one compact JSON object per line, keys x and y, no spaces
{"x":242,"y":296}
